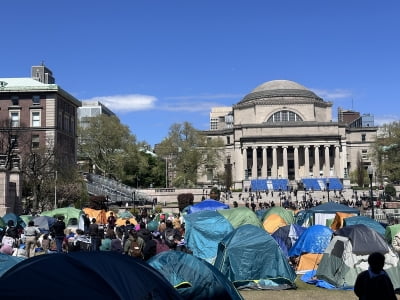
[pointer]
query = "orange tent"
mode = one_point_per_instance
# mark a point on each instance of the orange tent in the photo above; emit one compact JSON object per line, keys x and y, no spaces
{"x":339,"y":219}
{"x":121,"y":221}
{"x":273,"y":222}
{"x":308,"y":261}
{"x":99,"y":215}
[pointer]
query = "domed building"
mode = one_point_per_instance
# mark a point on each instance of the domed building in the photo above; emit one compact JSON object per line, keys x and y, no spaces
{"x":282,"y":134}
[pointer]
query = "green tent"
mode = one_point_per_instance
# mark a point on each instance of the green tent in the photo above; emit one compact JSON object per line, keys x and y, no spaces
{"x":251,"y":258}
{"x":286,"y":214}
{"x":240,"y":216}
{"x":347,"y":255}
{"x":72,"y":216}
{"x":391,"y":231}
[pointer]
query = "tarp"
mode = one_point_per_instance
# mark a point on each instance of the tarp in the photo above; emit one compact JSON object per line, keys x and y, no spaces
{"x":208,"y":204}
{"x":287,"y":236}
{"x":367,"y":221}
{"x":313,"y":240}
{"x":250,"y":257}
{"x":341,"y":263}
{"x":193,"y":277}
{"x":8,"y":261}
{"x":85,"y":275}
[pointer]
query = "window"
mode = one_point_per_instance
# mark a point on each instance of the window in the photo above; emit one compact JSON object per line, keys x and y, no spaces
{"x":35,"y":100}
{"x":364,"y":153}
{"x":35,"y":141}
{"x":15,"y":100}
{"x":284,"y":116}
{"x":363,"y":138}
{"x":35,"y":118}
{"x":214,"y":124}
{"x":228,"y":140}
{"x":14,"y":116}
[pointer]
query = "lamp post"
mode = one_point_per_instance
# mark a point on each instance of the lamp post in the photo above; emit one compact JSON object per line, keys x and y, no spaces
{"x":327,"y":187}
{"x":166,"y":172}
{"x":55,"y":191}
{"x":370,"y":174}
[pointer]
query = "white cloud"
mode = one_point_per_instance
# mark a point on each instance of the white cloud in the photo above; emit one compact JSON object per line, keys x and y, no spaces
{"x":127,"y":103}
{"x":334,"y":94}
{"x":385,"y":119}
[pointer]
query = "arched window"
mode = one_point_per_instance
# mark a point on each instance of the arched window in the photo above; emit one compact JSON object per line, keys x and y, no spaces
{"x":284,"y":116}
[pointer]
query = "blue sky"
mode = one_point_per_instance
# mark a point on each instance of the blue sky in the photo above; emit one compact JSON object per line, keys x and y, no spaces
{"x":155,"y":63}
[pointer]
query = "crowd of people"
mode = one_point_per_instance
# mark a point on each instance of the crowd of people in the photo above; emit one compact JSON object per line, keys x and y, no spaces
{"x":129,"y":239}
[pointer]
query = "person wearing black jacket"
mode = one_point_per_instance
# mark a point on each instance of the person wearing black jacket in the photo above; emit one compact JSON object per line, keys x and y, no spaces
{"x":59,"y":234}
{"x":94,"y":235}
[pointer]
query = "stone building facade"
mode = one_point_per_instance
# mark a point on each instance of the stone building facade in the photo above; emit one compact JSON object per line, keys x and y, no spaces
{"x":283,"y":130}
{"x":34,"y":113}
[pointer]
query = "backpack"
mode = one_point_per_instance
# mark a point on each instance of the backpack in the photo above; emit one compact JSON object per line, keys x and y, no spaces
{"x":134,"y":249}
{"x":161,"y":246}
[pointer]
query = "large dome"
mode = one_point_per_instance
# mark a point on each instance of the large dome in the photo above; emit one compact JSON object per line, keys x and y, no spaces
{"x":280,"y":89}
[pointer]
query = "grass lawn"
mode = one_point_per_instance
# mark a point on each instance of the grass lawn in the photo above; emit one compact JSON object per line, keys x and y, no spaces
{"x":303,"y":291}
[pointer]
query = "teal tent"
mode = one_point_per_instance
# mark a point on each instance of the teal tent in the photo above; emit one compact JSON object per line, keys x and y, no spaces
{"x":251,"y":258}
{"x":194,"y":278}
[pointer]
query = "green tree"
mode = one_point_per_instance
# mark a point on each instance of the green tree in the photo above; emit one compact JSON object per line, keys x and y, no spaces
{"x":107,"y":144}
{"x":386,"y":152}
{"x":191,"y":153}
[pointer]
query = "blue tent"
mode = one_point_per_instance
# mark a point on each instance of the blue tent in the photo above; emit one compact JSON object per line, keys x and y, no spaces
{"x":313,"y":240}
{"x":44,"y":223}
{"x":194,"y":278}
{"x":208,"y":204}
{"x":16,"y":219}
{"x":204,"y":230}
{"x":251,"y":258}
{"x":286,"y":236}
{"x":367,"y":221}
{"x":8,"y":261}
{"x":85,"y":275}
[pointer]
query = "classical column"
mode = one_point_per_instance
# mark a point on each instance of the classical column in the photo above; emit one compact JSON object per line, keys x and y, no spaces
{"x":327,"y":162}
{"x":255,"y":167}
{"x":264,"y":170}
{"x":337,"y":161}
{"x":274,"y":170}
{"x":296,"y":162}
{"x":245,"y":162}
{"x":316,"y":161}
{"x":307,"y":161}
{"x":285,"y":162}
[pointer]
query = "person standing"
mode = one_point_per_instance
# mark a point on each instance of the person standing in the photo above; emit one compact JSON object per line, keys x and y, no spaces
{"x":374,"y":283}
{"x":59,"y":234}
{"x":94,"y":235}
{"x":86,"y":223}
{"x":396,"y":243}
{"x":31,"y":233}
{"x":111,"y":220}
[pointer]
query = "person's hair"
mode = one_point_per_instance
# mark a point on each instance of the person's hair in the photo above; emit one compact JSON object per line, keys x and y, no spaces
{"x":31,"y":223}
{"x":127,"y":222}
{"x":133,"y":233}
{"x":168,"y":224}
{"x":80,"y":231}
{"x":10,"y":223}
{"x":94,"y":220}
{"x":142,"y":225}
{"x":376,"y":261}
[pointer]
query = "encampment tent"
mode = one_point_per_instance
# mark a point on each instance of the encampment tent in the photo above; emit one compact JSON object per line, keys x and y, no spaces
{"x":276,"y":217}
{"x":367,"y":221}
{"x":8,"y":261}
{"x":308,"y":249}
{"x":347,"y":255}
{"x":44,"y":223}
{"x":85,"y":275}
{"x":287,"y":236}
{"x":318,"y":215}
{"x":250,"y":257}
{"x":194,"y":278}
{"x":208,"y":204}
{"x":72,"y":216}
